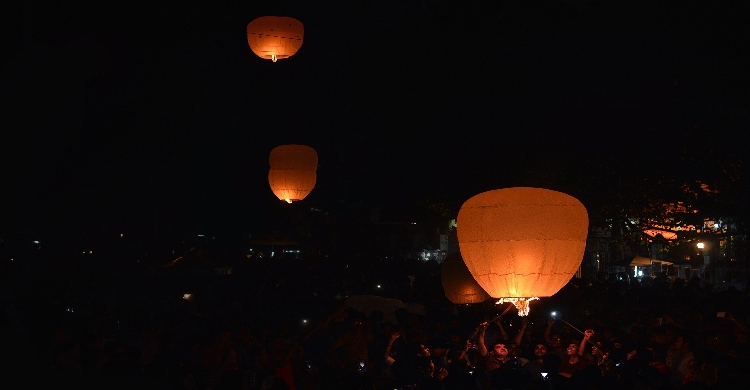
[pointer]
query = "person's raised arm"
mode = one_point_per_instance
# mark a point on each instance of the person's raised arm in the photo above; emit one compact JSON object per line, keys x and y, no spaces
{"x":387,"y":354}
{"x":519,"y":335}
{"x":332,"y":351}
{"x":740,"y":326}
{"x":503,"y":333}
{"x":548,"y":330}
{"x":481,"y":347}
{"x":586,"y":339}
{"x":465,"y":352}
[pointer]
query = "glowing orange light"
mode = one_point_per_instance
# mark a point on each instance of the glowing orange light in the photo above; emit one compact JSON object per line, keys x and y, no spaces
{"x":459,"y":285}
{"x":275,"y":37}
{"x":522,"y":243}
{"x":293,"y":171}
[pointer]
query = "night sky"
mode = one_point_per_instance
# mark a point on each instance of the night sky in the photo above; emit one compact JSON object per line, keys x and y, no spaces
{"x":122,"y":114}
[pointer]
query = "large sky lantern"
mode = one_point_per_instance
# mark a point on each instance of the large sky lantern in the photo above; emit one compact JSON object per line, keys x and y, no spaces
{"x":293,"y":171}
{"x":459,"y":285}
{"x":522,"y":243}
{"x":275,"y":37}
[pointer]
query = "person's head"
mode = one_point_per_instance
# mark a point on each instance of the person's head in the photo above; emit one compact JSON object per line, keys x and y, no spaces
{"x":500,"y":350}
{"x":413,"y":350}
{"x":572,"y":348}
{"x":424,"y":366}
{"x":658,"y":354}
{"x":357,"y":321}
{"x":224,"y":336}
{"x":377,"y":316}
{"x":456,"y":340}
{"x":684,"y":342}
{"x":438,"y":347}
{"x":513,"y":349}
{"x":617,"y":342}
{"x":601,"y":347}
{"x":423,"y":350}
{"x":740,"y":335}
{"x":540,"y":349}
{"x":645,"y":354}
{"x":458,"y":368}
{"x":555,"y":341}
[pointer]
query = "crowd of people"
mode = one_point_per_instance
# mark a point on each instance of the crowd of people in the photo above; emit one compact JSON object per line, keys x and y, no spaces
{"x":98,"y":327}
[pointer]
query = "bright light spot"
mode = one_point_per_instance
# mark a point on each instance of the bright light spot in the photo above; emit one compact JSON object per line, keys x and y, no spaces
{"x":700,"y":245}
{"x":122,"y":235}
{"x":378,"y":286}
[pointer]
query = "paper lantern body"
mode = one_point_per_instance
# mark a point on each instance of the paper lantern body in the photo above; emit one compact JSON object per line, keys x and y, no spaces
{"x":522,"y":243}
{"x":275,"y":37}
{"x":458,"y":284}
{"x":293,"y":171}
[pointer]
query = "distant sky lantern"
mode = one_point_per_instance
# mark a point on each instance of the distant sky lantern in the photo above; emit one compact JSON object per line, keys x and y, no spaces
{"x":664,"y":233}
{"x":293,"y":171}
{"x":522,"y":243}
{"x":458,"y":284}
{"x":275,"y":37}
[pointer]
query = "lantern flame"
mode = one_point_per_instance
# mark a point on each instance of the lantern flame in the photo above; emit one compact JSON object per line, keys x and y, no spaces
{"x":521,"y":304}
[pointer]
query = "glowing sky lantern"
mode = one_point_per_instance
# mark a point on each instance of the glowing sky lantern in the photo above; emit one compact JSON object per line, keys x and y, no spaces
{"x":522,"y":243}
{"x":275,"y":37}
{"x":458,"y":284}
{"x":293,"y":171}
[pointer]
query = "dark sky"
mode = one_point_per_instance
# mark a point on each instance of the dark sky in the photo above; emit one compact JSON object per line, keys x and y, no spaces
{"x":118,"y":113}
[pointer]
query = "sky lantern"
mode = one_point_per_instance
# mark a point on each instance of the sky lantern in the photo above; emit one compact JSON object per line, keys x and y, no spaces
{"x":459,"y":285}
{"x":522,"y":243}
{"x":293,"y":171}
{"x":275,"y":37}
